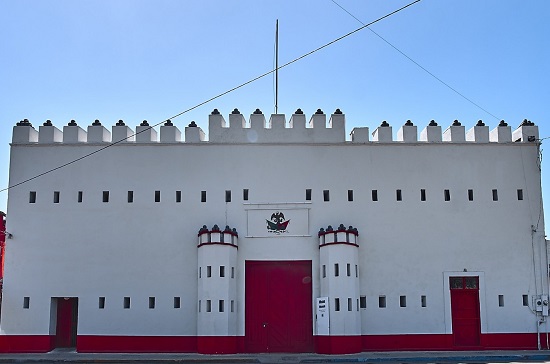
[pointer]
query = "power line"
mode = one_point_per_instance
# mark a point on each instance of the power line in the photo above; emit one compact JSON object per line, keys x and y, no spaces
{"x":416,"y":63}
{"x":213,"y":98}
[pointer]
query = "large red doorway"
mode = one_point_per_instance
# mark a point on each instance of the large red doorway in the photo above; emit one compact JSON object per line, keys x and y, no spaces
{"x":67,"y":318}
{"x":465,"y":311}
{"x":278,"y":303}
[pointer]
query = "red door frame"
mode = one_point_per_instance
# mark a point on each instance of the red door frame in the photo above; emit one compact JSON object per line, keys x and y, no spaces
{"x":66,"y":322}
{"x":465,"y":311}
{"x":278,"y":306}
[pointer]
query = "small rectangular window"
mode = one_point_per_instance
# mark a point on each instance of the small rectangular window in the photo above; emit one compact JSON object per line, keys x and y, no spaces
{"x":200,"y":272}
{"x":423,"y":301}
{"x":222,"y":271}
{"x":26,"y":302}
{"x":208,"y":271}
{"x":381,"y":301}
{"x":363,"y":301}
{"x":126,"y":302}
{"x":32,"y":197}
{"x":105,"y":196}
{"x":374,"y":194}
{"x":157,"y":196}
{"x":232,"y":272}
{"x":470,"y":195}
{"x":177,"y":302}
{"x":402,"y":301}
{"x":336,"y":304}
{"x":422,"y":195}
{"x":356,"y":271}
{"x":324,"y":271}
{"x":203,"y":196}
{"x":308,"y":194}
{"x":178,"y":196}
{"x":221,"y":306}
{"x":495,"y":195}
{"x":520,"y":194}
{"x":151,"y":302}
{"x":79,"y":197}
{"x":102,"y":302}
{"x":130,"y":196}
{"x":357,"y":305}
{"x":350,"y":304}
{"x":227,"y":196}
{"x":525,"y":300}
{"x":336,"y":270}
{"x":500,"y":300}
{"x":398,"y":195}
{"x":232,"y":306}
{"x":350,"y":195}
{"x":56,"y":197}
{"x":208,"y":306}
{"x":348,"y":270}
{"x":447,"y":194}
{"x":199,"y":305}
{"x":245,"y":194}
{"x":326,"y":195}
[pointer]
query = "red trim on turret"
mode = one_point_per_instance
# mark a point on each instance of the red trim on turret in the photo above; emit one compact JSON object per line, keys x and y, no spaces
{"x":233,"y":245}
{"x":339,"y":242}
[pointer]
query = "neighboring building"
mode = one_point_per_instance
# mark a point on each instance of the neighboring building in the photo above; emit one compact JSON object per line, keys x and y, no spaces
{"x":275,"y":237}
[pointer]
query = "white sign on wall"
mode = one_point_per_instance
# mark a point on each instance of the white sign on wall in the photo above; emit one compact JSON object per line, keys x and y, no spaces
{"x":277,"y":221}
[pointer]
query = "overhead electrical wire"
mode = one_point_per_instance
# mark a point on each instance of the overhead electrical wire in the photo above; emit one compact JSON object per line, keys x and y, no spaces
{"x":214,"y":97}
{"x":416,"y":63}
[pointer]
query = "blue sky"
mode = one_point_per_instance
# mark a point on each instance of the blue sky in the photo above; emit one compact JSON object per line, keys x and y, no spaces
{"x":139,"y":59}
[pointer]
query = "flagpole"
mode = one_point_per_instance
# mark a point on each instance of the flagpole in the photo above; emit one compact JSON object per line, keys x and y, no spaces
{"x":276,"y":65}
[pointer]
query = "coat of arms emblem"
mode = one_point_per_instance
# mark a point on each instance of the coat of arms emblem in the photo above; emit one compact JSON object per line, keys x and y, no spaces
{"x":277,"y":224}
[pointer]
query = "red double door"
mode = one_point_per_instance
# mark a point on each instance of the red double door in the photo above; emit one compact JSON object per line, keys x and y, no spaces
{"x":279,"y":307}
{"x":465,"y":311}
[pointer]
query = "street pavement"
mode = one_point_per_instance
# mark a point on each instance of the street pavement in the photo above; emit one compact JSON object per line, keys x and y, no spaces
{"x":70,"y":356}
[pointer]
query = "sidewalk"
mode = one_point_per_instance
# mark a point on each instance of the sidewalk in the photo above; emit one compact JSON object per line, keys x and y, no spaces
{"x":68,"y":356}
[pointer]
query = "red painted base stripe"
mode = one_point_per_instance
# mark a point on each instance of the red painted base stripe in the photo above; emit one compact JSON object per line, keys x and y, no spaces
{"x":338,"y":344}
{"x":136,"y":344}
{"x":217,"y":344}
{"x":26,"y":343}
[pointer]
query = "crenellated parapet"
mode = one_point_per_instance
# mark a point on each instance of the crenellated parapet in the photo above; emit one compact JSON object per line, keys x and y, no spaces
{"x":341,"y":235}
{"x":276,"y":129}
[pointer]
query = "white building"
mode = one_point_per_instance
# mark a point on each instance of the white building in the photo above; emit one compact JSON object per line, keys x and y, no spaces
{"x":277,"y":236}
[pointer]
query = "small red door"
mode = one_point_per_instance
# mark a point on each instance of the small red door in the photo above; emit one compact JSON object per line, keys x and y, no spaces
{"x":465,"y":311}
{"x":278,"y":306}
{"x":67,"y":318}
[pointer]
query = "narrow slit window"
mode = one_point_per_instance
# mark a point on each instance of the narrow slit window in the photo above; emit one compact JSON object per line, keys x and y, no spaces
{"x":495,"y":195}
{"x":130,"y":196}
{"x":151,"y":302}
{"x":398,"y":195}
{"x":374,"y":195}
{"x":221,"y":306}
{"x":208,"y":306}
{"x":422,"y":195}
{"x":324,"y":271}
{"x":227,"y":196}
{"x":326,"y":195}
{"x":105,"y":196}
{"x":357,"y":305}
{"x":336,"y":270}
{"x":350,"y":195}
{"x":32,"y":197}
{"x":500,"y":300}
{"x":402,"y":301}
{"x":222,"y":271}
{"x":157,"y":196}
{"x":308,"y":194}
{"x":232,"y":272}
{"x":56,"y":197}
{"x":520,"y":194}
{"x":470,"y":195}
{"x":525,"y":300}
{"x":126,"y":302}
{"x":26,"y":302}
{"x":178,"y":196}
{"x":363,"y":301}
{"x":79,"y":197}
{"x":199,"y":305}
{"x":245,"y":194}
{"x":203,"y":196}
{"x":208,"y":271}
{"x":447,"y":195}
{"x":336,"y":304}
{"x":382,"y":301}
{"x":348,"y":270}
{"x":356,"y":271}
{"x":232,"y":305}
{"x":350,"y":304}
{"x":423,"y":301}
{"x":200,"y":272}
{"x":101,"y":303}
{"x":177,"y":302}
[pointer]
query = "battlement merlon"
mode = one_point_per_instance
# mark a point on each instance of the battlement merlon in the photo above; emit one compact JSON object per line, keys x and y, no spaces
{"x":275,"y":130}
